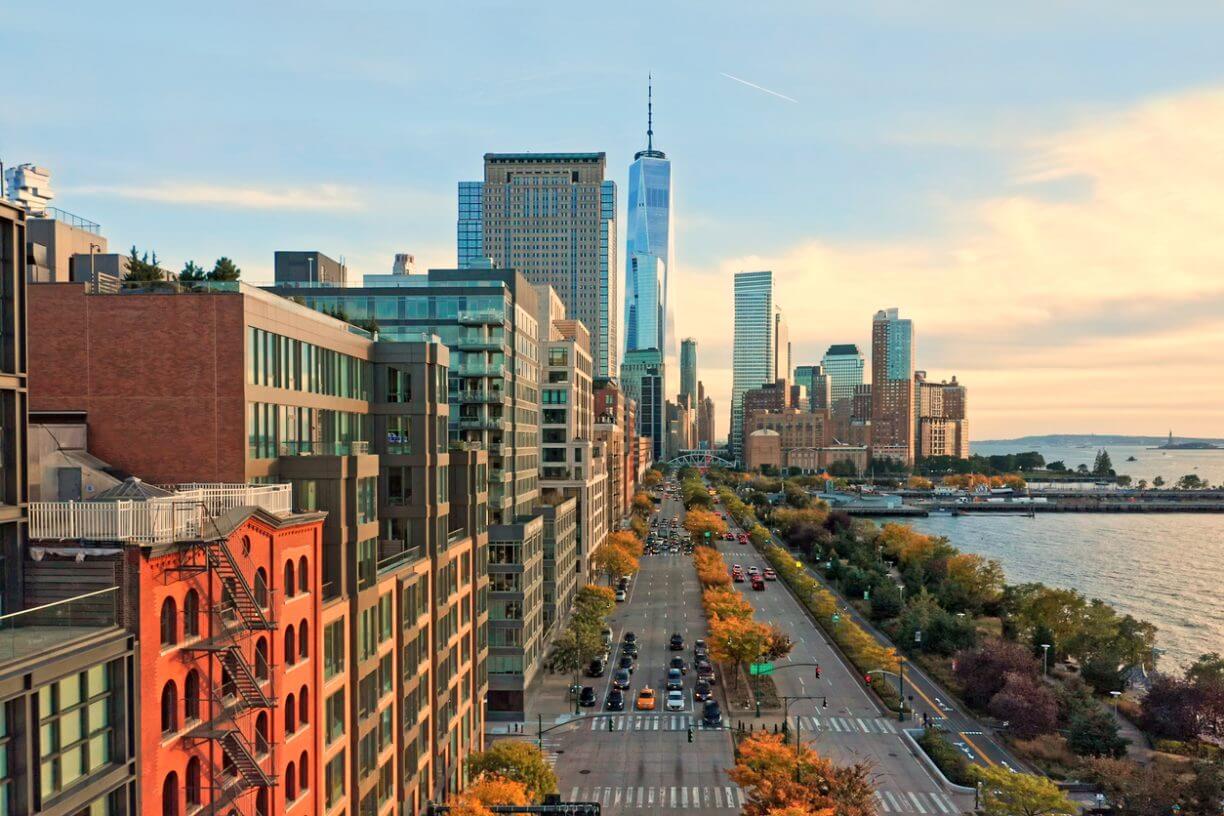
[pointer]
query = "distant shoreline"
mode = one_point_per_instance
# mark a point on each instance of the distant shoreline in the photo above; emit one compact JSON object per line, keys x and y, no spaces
{"x":1150,"y":442}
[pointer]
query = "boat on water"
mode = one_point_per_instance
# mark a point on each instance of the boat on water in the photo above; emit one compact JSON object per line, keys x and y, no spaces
{"x":1131,"y":459}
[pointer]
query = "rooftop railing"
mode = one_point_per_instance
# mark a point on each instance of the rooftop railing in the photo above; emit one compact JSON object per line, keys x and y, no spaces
{"x":35,"y":630}
{"x":163,"y":520}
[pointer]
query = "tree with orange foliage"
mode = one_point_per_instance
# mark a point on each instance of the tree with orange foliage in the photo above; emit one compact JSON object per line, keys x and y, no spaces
{"x":467,"y":805}
{"x":800,"y":810}
{"x":700,"y":522}
{"x":711,"y":568}
{"x":737,"y":641}
{"x":776,"y":777}
{"x":492,"y":789}
{"x":724,"y":602}
{"x":627,"y":540}
{"x":612,"y":561}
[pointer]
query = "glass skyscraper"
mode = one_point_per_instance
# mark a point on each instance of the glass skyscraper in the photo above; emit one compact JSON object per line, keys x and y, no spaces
{"x":753,"y":361}
{"x":648,"y":246}
{"x":688,"y":370}
{"x":892,"y":386}
{"x":843,"y":364}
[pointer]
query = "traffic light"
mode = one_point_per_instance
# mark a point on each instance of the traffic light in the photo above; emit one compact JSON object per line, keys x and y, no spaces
{"x":611,"y":725}
{"x":867,"y":679}
{"x":817,"y":671}
{"x":824,"y":703}
{"x":690,"y":733}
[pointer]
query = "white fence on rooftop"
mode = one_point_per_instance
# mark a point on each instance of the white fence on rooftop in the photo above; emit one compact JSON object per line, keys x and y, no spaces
{"x":180,"y":517}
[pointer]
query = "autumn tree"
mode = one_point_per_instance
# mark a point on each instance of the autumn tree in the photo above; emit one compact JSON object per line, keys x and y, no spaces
{"x":919,"y":483}
{"x":651,"y":478}
{"x":491,"y":790}
{"x":971,"y":583}
{"x":1026,"y":704}
{"x":737,"y":641}
{"x":516,"y":761}
{"x":642,"y":505}
{"x":574,"y":647}
{"x":626,"y":540}
{"x":594,"y":603}
{"x":724,"y":602}
{"x":982,"y":672}
{"x":779,"y":644}
{"x":759,"y":536}
{"x":1007,"y":793}
{"x":700,"y":522}
{"x":777,"y":778}
{"x":612,"y":561}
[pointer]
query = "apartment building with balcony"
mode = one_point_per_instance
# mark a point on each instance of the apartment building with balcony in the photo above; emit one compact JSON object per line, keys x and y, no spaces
{"x":560,"y":560}
{"x":615,"y":423}
{"x":228,"y":383}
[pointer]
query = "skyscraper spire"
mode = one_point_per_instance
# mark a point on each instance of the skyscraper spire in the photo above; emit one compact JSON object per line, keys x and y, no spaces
{"x":649,"y":113}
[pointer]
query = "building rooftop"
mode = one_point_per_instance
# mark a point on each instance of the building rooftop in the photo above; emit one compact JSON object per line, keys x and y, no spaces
{"x":843,"y":349}
{"x":41,"y":629}
{"x":507,"y":158}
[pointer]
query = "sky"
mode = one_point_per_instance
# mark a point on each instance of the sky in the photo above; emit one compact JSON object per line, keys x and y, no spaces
{"x":1038,"y":188}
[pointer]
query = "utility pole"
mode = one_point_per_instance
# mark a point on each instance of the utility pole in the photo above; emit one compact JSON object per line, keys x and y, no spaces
{"x":901,"y":681}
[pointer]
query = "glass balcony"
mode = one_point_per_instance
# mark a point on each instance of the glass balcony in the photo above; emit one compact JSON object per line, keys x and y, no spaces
{"x":482,"y":423}
{"x":482,"y":370}
{"x":37,"y":630}
{"x":481,"y":317}
{"x":354,"y":448}
{"x":480,"y":396}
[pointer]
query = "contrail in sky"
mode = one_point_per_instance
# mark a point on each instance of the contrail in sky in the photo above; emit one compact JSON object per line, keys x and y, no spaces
{"x":759,"y":88}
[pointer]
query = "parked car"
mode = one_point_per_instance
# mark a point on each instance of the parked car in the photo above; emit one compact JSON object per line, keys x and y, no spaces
{"x":616,"y":700}
{"x":620,"y":679}
{"x":677,"y":642}
{"x":699,"y":645}
{"x":587,"y":697}
{"x":597,"y":668}
{"x":711,"y":714}
{"x":702,"y":691}
{"x":675,"y":680}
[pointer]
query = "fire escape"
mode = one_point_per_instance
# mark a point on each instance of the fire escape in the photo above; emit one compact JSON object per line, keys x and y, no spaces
{"x":235,"y":616}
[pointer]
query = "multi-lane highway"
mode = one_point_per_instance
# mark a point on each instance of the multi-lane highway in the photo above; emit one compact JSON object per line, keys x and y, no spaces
{"x":647,"y":764}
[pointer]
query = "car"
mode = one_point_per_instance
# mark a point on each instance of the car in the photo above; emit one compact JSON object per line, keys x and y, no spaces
{"x":675,"y":700}
{"x":622,"y":583}
{"x":620,"y":680}
{"x":711,"y":714}
{"x":753,"y":570}
{"x":625,"y":662}
{"x":706,"y":672}
{"x":770,"y":575}
{"x":630,"y":649}
{"x":646,"y":699}
{"x":629,"y":637}
{"x":597,"y":668}
{"x":702,"y":691}
{"x":678,"y":663}
{"x":728,"y":537}
{"x":606,"y":634}
{"x":758,"y":583}
{"x":621,"y":595}
{"x":587,"y":697}
{"x":699,"y":645}
{"x":675,"y":679}
{"x":737,"y":577}
{"x":677,"y":642}
{"x":737,"y":568}
{"x":616,"y":700}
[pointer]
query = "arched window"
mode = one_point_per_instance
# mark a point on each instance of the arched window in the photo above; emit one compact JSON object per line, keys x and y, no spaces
{"x":261,"y":587}
{"x":303,"y":636}
{"x":169,"y":708}
{"x":290,"y":584}
{"x":228,"y":689}
{"x":290,"y":646}
{"x":303,"y":583}
{"x":169,"y":622}
{"x":304,"y":706}
{"x":191,"y":699}
{"x":290,"y":714}
{"x":261,"y":802}
{"x":290,"y":782}
{"x":261,"y":733}
{"x":191,"y":614}
{"x":194,"y":781}
{"x":303,"y":773}
{"x":170,"y":795}
{"x":228,"y":769}
{"x":261,"y":658}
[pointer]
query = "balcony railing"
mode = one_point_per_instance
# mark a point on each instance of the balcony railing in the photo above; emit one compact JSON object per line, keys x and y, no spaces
{"x":354,"y":448}
{"x":480,"y":396}
{"x":486,"y":370}
{"x":482,"y":423}
{"x":181,"y":517}
{"x":477,"y":317}
{"x":35,"y":630}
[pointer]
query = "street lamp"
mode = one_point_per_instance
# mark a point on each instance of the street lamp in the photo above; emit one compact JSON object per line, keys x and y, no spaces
{"x":1115,"y":695}
{"x":1045,"y":659}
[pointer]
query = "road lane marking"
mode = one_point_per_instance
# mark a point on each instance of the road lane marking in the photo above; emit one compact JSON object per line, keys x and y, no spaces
{"x":673,"y":797}
{"x":574,"y":795}
{"x":639,"y":797}
{"x":696,"y":798}
{"x":684,"y":797}
{"x":917,"y":802}
{"x":939,"y":802}
{"x":985,"y":758}
{"x":883,"y":804}
{"x":866,"y":730}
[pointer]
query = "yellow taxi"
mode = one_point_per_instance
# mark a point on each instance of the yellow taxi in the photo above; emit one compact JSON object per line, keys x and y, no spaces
{"x":646,"y":699}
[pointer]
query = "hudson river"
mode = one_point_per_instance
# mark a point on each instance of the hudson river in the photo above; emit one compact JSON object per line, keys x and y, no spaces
{"x":1166,"y":568}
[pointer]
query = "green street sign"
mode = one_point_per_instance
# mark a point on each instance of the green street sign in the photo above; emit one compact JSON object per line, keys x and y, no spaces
{"x":836,"y":617}
{"x":760,"y":668}
{"x":707,"y":533}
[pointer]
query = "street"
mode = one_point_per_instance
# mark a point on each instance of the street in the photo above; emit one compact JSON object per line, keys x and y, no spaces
{"x":647,"y":763}
{"x":852,"y":727}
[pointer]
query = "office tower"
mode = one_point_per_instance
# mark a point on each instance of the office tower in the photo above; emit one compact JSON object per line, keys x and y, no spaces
{"x":310,"y":268}
{"x":571,"y":463}
{"x":843,"y":364}
{"x":648,"y":246}
{"x":274,"y":393}
{"x":754,"y":362}
{"x":552,"y":217}
{"x":705,"y":418}
{"x":892,"y":386}
{"x":782,"y":348}
{"x":642,"y":381}
{"x":688,"y":370}
{"x":614,"y":423}
{"x":941,"y":427}
{"x":817,"y":383}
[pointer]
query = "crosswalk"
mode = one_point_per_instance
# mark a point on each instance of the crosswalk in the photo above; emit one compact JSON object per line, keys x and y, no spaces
{"x":653,"y":799}
{"x":915,"y":802}
{"x":682,"y":722}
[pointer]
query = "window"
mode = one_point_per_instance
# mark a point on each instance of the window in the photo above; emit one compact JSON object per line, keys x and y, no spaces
{"x":169,"y":708}
{"x":261,"y":658}
{"x":367,"y":506}
{"x":194,"y":781}
{"x":191,"y":614}
{"x":304,"y":705}
{"x":170,"y":795}
{"x":191,"y":696}
{"x":303,"y":772}
{"x":290,"y":584}
{"x":303,"y":636}
{"x":303,"y":583}
{"x":290,"y":646}
{"x":261,"y":733}
{"x":75,"y":727}
{"x":399,"y":434}
{"x":367,"y":562}
{"x":399,"y":385}
{"x":290,"y":782}
{"x":261,"y":588}
{"x":399,"y":486}
{"x":290,"y":714}
{"x":169,"y":622}
{"x":334,"y":715}
{"x":333,"y":649}
{"x":333,"y":779}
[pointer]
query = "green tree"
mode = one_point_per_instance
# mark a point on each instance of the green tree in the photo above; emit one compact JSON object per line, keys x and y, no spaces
{"x":594,"y":603}
{"x":576,"y":646}
{"x":1102,"y":465}
{"x":1094,"y":732}
{"x":140,"y":267}
{"x":192,"y":272}
{"x":518,"y":761}
{"x":759,"y":536}
{"x":1005,"y":793}
{"x":225,"y":270}
{"x":1191,"y":481}
{"x":1158,"y":481}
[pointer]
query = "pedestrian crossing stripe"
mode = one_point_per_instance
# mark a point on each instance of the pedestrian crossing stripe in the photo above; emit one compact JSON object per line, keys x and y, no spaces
{"x":915,"y":802}
{"x":847,"y":725}
{"x":650,"y":798}
{"x":682,"y":722}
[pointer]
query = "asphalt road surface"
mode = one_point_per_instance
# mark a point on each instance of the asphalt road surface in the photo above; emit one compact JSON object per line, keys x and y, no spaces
{"x":647,"y":764}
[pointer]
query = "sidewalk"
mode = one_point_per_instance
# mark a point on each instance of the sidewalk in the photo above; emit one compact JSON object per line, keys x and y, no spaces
{"x":1139,"y":751}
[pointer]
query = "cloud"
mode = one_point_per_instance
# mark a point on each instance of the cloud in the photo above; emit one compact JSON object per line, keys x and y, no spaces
{"x":318,"y":197}
{"x":1094,"y":284}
